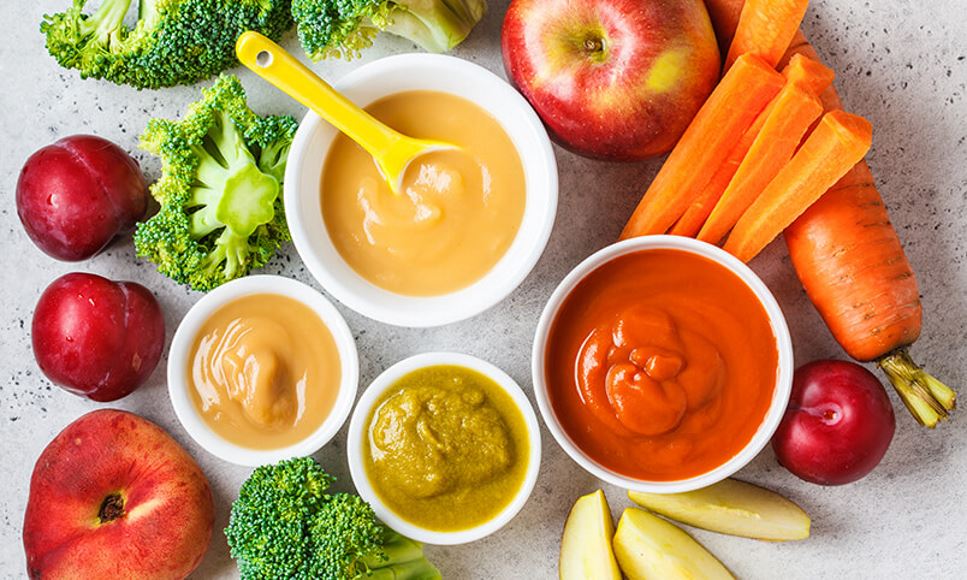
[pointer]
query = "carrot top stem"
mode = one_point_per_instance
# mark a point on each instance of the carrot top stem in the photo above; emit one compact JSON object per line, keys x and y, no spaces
{"x":928,"y":399}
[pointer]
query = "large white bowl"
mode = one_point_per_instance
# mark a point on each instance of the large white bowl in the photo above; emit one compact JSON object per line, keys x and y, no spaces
{"x":179,"y":361}
{"x":784,"y":371}
{"x":447,"y":74}
{"x":358,"y":423}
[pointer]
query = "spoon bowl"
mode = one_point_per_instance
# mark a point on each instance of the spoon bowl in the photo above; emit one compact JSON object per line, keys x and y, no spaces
{"x":392,"y":151}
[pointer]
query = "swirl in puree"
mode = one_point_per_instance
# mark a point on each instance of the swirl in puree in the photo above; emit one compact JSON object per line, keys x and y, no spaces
{"x":661,"y":364}
{"x":458,"y":212}
{"x":265,"y":371}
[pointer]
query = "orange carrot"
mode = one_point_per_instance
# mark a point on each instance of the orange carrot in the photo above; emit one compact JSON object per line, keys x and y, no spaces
{"x":765,"y":29}
{"x":809,"y":74}
{"x":839,"y":142}
{"x":788,"y":118}
{"x":730,"y":110}
{"x":691,"y":221}
{"x":851,"y":263}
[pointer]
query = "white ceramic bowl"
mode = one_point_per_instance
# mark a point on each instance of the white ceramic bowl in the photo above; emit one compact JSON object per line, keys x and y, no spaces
{"x":784,"y":371}
{"x":446,"y":74}
{"x":357,"y":425}
{"x":179,"y":362}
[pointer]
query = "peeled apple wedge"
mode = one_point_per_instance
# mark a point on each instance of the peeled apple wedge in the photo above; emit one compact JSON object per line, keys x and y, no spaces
{"x":732,"y":507}
{"x":650,"y":548}
{"x":586,"y":545}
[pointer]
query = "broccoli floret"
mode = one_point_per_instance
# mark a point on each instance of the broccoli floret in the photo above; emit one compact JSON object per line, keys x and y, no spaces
{"x":174,"y":41}
{"x":285,"y":525}
{"x":342,"y":28}
{"x":221,"y":210}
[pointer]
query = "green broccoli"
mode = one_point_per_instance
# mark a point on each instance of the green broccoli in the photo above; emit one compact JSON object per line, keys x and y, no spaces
{"x":342,"y":28}
{"x":174,"y":41}
{"x":222,"y":169}
{"x":285,"y":525}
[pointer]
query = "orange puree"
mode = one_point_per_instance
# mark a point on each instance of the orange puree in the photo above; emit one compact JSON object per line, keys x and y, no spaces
{"x":661,"y":365}
{"x":459,"y":210}
{"x":265,"y":371}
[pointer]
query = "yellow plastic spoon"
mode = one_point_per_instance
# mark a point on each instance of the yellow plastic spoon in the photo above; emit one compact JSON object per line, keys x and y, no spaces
{"x":392,"y":151}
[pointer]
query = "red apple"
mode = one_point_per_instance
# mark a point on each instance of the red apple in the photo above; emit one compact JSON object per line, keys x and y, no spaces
{"x":76,"y":195}
{"x":114,"y":496}
{"x":612,"y":79}
{"x":838,"y":425}
{"x":95,"y":337}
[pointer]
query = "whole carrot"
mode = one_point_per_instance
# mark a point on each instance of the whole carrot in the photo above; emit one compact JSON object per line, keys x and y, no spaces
{"x":851,"y":263}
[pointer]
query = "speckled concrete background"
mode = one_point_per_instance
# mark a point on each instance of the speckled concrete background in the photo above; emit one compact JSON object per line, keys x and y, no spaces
{"x":901,"y":63}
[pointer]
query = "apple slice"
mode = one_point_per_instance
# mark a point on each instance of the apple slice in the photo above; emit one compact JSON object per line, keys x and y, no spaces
{"x":586,"y":545}
{"x":732,"y":507}
{"x":650,"y":547}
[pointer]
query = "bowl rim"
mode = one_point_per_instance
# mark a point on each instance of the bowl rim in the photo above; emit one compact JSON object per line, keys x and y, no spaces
{"x":180,"y":353}
{"x":504,"y":103}
{"x":385,"y":381}
{"x":784,"y":370}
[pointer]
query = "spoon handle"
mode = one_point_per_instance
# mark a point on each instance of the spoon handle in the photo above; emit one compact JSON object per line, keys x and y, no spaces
{"x":271,"y":62}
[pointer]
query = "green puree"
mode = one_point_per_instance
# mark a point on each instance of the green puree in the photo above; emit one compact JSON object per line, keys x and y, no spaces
{"x":446,"y":448}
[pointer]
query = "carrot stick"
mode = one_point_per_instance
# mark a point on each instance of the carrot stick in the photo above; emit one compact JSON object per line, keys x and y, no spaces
{"x":850,"y":261}
{"x":765,"y":29}
{"x":789,"y":117}
{"x":729,"y":111}
{"x":839,"y":142}
{"x":809,"y":74}
{"x":691,"y":222}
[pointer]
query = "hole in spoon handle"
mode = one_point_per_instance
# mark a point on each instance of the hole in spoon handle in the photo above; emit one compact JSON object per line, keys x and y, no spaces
{"x":263,"y":58}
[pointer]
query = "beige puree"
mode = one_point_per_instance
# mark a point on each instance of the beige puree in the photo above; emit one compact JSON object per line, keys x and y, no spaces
{"x":459,"y":212}
{"x":264,"y":372}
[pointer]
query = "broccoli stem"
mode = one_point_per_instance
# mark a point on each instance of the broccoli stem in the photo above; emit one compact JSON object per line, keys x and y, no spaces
{"x":106,"y":22}
{"x":231,"y":191}
{"x":415,"y":570}
{"x":400,"y":559}
{"x":436,"y":25}
{"x":148,"y":13}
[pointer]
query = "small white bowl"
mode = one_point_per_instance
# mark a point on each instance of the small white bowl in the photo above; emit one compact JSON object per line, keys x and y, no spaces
{"x":357,"y":426}
{"x":432,"y":72}
{"x":179,"y":361}
{"x":784,"y":371}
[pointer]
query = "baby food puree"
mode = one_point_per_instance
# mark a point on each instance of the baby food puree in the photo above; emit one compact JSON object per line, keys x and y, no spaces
{"x":264,"y":371}
{"x":446,"y":448}
{"x":661,"y":365}
{"x":459,"y":211}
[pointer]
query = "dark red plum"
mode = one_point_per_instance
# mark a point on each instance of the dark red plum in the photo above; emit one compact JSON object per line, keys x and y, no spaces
{"x":76,"y":195}
{"x":95,"y":337}
{"x":838,"y":425}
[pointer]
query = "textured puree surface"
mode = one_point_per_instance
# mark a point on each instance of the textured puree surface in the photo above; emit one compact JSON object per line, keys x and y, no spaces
{"x":661,"y":364}
{"x":901,"y":64}
{"x":264,"y":372}
{"x":446,"y":448}
{"x":459,"y":210}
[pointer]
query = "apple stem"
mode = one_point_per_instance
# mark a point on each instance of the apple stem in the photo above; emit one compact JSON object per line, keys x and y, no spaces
{"x":111,"y":508}
{"x":927,"y":399}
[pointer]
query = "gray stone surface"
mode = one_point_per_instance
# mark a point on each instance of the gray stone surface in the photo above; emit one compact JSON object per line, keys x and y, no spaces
{"x":901,"y":63}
